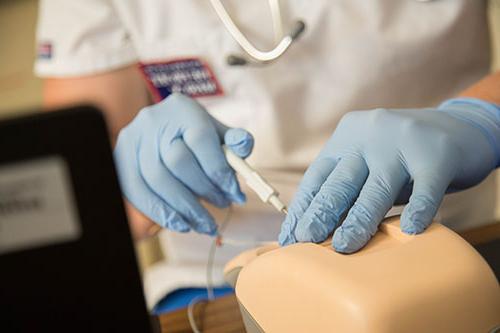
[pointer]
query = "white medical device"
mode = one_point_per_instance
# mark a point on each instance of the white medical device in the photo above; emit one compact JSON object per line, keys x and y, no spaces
{"x":256,"y":182}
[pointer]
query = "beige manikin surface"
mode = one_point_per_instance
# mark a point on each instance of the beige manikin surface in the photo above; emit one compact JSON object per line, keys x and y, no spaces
{"x":433,"y":282}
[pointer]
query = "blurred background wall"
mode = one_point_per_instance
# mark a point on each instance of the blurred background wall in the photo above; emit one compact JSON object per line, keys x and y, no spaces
{"x":19,"y":89}
{"x":494,"y":16}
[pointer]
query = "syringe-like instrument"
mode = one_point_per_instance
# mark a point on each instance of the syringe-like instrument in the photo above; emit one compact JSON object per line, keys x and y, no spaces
{"x":254,"y":180}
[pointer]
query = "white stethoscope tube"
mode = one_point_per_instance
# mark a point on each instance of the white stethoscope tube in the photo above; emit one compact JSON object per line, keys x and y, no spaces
{"x":258,"y":56}
{"x":254,"y":53}
{"x":274,"y":5}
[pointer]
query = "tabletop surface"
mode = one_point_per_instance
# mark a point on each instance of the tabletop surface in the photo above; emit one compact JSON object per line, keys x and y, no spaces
{"x":218,"y":316}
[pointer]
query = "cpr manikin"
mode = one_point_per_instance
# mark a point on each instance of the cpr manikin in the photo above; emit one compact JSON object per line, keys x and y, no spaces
{"x":432,"y":282}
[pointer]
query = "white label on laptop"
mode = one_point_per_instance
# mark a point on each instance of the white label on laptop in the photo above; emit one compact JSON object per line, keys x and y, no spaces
{"x":37,"y":205}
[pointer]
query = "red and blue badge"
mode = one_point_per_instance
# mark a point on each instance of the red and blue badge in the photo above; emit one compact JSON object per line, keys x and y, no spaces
{"x":44,"y":50}
{"x":190,"y":76}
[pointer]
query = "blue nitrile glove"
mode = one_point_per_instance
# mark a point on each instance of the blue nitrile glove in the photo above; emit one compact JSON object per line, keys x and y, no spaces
{"x":377,"y":158}
{"x":170,"y":155}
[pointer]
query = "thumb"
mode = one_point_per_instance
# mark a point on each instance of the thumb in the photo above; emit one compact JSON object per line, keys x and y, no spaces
{"x":239,"y":141}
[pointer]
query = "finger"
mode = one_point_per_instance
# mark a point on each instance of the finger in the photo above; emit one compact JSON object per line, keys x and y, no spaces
{"x":206,"y":147}
{"x":335,"y":197}
{"x":375,"y":199}
{"x":183,"y":165}
{"x":138,"y":193}
{"x":428,"y":192}
{"x":171,"y":190}
{"x":314,"y":177}
{"x":239,"y":141}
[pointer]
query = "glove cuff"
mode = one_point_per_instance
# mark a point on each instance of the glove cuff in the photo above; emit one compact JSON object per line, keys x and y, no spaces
{"x":482,"y":115}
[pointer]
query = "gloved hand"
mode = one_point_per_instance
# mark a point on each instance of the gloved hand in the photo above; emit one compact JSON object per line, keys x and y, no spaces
{"x":170,"y":155}
{"x":377,"y":158}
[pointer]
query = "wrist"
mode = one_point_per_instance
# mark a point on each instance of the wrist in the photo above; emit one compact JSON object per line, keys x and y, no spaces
{"x":486,"y":90}
{"x":483,"y":115}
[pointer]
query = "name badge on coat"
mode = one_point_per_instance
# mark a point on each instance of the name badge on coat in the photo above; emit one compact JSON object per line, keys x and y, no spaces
{"x":190,"y":76}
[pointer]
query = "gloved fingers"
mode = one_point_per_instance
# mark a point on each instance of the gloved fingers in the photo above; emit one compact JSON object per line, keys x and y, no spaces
{"x":335,"y":197}
{"x":172,"y":191}
{"x":160,"y":212}
{"x":138,"y":193}
{"x":205,"y":144}
{"x":375,"y":199}
{"x":428,"y":192}
{"x":314,"y":177}
{"x":183,"y":165}
{"x":239,"y":141}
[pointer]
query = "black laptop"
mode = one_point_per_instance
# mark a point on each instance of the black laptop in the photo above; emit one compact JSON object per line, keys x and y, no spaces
{"x":67,"y":261}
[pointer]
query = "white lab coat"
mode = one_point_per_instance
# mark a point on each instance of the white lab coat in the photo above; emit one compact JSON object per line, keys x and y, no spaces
{"x":353,"y":55}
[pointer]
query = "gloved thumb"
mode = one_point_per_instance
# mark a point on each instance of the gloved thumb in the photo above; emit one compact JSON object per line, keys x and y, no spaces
{"x":239,"y":141}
